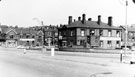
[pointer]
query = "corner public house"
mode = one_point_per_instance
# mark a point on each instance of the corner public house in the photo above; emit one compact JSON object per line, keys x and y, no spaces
{"x":89,"y":34}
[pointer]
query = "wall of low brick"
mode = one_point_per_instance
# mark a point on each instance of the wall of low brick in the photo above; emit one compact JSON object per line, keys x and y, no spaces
{"x":88,"y":50}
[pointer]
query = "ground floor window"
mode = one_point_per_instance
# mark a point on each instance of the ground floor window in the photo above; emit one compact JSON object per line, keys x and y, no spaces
{"x":117,"y":43}
{"x":82,"y":42}
{"x":109,"y":44}
{"x":64,"y":43}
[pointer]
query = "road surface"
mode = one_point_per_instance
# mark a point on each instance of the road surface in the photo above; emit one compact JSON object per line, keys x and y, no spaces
{"x":13,"y":63}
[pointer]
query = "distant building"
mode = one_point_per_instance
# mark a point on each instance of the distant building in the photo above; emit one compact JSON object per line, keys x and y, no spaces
{"x":32,"y":36}
{"x":89,"y":34}
{"x":130,"y":35}
{"x":15,"y":36}
{"x":3,"y":34}
{"x":50,"y":35}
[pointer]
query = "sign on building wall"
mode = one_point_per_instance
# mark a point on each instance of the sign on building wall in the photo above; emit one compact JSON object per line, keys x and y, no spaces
{"x":27,"y":39}
{"x":110,"y":38}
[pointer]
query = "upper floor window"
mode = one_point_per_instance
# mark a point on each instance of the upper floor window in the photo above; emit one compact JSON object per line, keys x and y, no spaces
{"x":56,"y":33}
{"x":109,"y":33}
{"x":118,"y":33}
{"x":27,"y":36}
{"x":59,"y":33}
{"x":82,"y":32}
{"x":11,"y":36}
{"x":33,"y":36}
{"x":21,"y":36}
{"x":101,"y":32}
{"x":92,"y":32}
{"x":131,"y":34}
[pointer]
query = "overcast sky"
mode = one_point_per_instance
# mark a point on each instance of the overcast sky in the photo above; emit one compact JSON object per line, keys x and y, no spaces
{"x":55,"y":12}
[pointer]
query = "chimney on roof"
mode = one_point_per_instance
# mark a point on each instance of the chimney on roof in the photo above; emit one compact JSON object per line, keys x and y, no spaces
{"x":74,"y":20}
{"x":83,"y":18}
{"x":99,"y":20}
{"x":69,"y":20}
{"x":79,"y":18}
{"x":110,"y":21}
{"x":42,"y":23}
{"x":89,"y":19}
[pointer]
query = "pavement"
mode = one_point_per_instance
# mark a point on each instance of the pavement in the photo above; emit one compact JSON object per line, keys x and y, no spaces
{"x":109,"y":64}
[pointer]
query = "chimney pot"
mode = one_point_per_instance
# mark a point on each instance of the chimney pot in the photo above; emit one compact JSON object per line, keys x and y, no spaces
{"x":99,"y":20}
{"x":79,"y":18}
{"x":110,"y":21}
{"x":83,"y":18}
{"x":89,"y":19}
{"x":69,"y":19}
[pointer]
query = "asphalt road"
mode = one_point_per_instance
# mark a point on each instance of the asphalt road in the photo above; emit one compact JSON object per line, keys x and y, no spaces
{"x":13,"y":63}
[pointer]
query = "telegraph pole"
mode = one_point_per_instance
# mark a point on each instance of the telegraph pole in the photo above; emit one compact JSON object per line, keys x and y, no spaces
{"x":126,"y":32}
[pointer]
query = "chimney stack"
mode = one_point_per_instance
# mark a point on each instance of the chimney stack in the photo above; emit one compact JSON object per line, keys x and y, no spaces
{"x":99,"y":20}
{"x":69,"y":20}
{"x":83,"y":18}
{"x":89,"y":19}
{"x":110,"y":21}
{"x":79,"y":18}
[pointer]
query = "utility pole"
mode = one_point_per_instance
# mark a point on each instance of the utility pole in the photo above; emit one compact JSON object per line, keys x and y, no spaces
{"x":126,"y":32}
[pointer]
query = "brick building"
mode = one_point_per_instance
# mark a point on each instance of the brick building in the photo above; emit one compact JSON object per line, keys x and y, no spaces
{"x":50,"y":35}
{"x":130,"y":35}
{"x":15,"y":36}
{"x":88,"y":34}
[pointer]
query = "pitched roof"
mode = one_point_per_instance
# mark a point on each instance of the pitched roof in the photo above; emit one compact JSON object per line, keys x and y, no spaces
{"x":26,"y":31}
{"x":129,"y":28}
{"x":91,"y":24}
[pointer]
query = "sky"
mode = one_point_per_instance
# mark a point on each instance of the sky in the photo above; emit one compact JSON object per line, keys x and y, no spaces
{"x":25,"y":13}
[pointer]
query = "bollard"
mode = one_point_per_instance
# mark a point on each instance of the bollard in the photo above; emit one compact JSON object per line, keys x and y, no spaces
{"x":52,"y":51}
{"x":121,"y":55}
{"x":24,"y":51}
{"x":43,"y":50}
{"x":133,"y":58}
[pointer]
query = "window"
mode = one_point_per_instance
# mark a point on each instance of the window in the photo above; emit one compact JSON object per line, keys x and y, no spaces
{"x":118,"y":44}
{"x":27,"y":36}
{"x":82,"y":42}
{"x":59,"y":33}
{"x":21,"y":36}
{"x":11,"y":36}
{"x":101,"y":32}
{"x":131,"y":33}
{"x":109,"y":33}
{"x":56,"y":34}
{"x":109,"y":43}
{"x":33,"y":42}
{"x":33,"y":36}
{"x":82,"y":32}
{"x":71,"y":33}
{"x":133,"y":39}
{"x":118,"y":33}
{"x":92,"y":32}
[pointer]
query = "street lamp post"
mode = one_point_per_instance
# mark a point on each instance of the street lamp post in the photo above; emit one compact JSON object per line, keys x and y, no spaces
{"x":41,"y":23}
{"x":126,"y":32}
